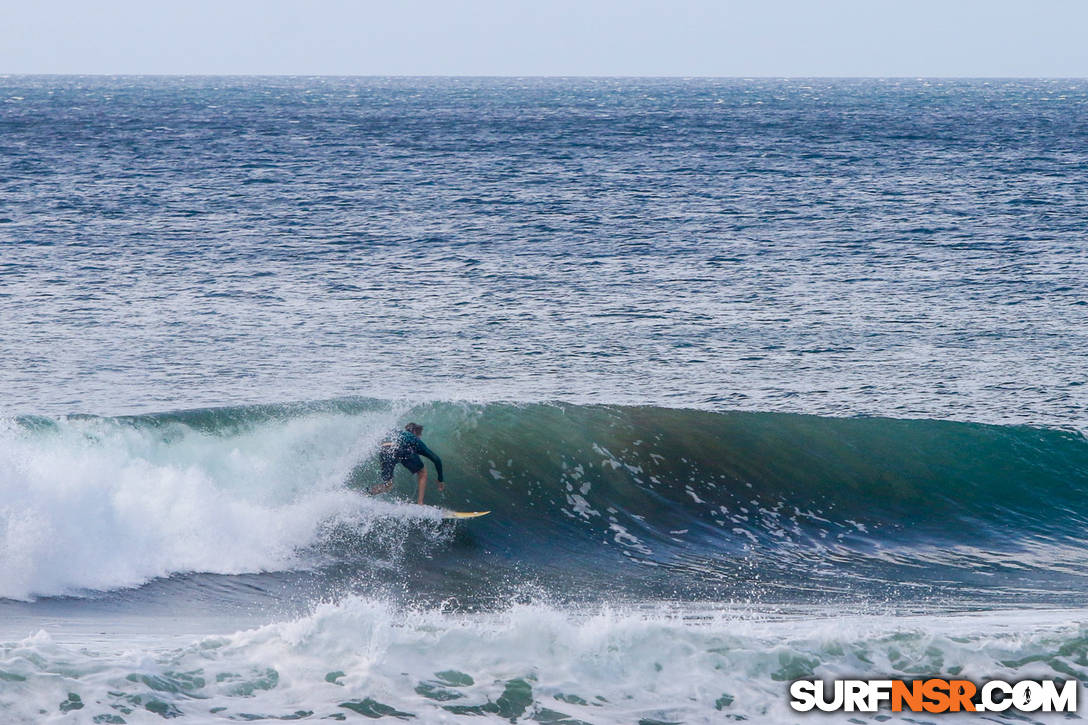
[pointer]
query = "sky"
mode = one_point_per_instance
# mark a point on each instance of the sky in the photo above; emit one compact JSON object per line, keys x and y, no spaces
{"x":946,"y":38}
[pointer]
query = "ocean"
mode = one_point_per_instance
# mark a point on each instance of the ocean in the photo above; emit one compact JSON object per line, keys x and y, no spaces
{"x":760,"y":380}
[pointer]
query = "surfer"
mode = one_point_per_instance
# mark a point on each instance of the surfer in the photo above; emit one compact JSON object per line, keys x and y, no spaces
{"x":405,"y":447}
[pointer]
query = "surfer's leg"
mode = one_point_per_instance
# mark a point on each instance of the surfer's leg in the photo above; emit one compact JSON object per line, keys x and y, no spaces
{"x":389,"y":464}
{"x":415,"y":464}
{"x":422,"y":478}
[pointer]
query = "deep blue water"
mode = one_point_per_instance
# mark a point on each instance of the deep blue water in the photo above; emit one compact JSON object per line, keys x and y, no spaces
{"x":724,"y":358}
{"x":908,"y":248}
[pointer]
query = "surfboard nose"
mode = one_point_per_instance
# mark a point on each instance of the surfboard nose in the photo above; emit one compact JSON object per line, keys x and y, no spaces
{"x":463,"y":514}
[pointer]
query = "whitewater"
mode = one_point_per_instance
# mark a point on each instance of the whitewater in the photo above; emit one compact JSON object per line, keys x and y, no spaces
{"x":760,"y":380}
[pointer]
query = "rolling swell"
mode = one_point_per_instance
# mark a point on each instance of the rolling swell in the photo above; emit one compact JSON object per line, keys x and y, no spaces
{"x":589,"y":502}
{"x":711,"y":504}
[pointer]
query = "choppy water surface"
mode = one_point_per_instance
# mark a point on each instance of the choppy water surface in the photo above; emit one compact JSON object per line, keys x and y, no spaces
{"x":760,"y":379}
{"x":912,"y":248}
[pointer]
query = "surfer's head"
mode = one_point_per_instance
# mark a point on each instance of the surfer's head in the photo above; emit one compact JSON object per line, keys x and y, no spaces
{"x":414,"y":428}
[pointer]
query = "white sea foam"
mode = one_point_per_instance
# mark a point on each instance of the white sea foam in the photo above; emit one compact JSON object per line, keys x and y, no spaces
{"x":98,"y":504}
{"x":527,"y":663}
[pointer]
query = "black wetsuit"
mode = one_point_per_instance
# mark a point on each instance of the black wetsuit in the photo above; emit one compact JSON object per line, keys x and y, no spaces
{"x":406,"y":448}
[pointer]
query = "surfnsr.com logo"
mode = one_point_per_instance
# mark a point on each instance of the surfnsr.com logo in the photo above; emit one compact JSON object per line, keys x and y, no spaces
{"x":934,"y":695}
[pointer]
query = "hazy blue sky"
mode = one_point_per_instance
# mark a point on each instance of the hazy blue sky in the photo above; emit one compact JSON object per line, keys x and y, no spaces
{"x":550,"y":37}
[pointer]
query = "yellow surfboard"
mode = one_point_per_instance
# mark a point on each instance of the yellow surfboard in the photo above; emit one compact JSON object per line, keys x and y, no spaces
{"x":463,"y":514}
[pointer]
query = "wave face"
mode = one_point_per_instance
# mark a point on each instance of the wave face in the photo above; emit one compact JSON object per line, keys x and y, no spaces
{"x":588,"y":502}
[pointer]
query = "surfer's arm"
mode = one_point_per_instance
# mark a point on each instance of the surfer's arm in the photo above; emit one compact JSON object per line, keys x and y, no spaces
{"x":428,"y":453}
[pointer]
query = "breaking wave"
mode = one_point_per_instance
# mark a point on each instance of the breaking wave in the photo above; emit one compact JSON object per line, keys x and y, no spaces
{"x":587,"y":501}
